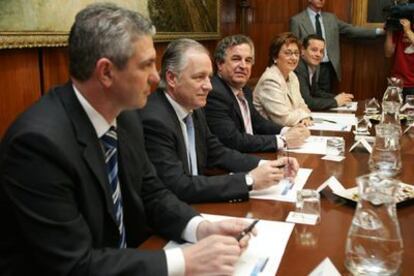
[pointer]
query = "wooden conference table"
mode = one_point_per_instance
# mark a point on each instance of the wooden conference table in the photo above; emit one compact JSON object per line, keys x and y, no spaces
{"x":309,"y":245}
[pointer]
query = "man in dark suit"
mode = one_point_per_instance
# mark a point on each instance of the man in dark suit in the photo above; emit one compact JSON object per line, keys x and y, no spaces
{"x":229,"y":110}
{"x":179,"y":142}
{"x":77,"y":187}
{"x":313,"y":21}
{"x":307,"y":71}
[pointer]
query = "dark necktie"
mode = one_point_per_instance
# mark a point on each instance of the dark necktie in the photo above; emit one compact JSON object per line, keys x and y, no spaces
{"x":110,"y":143}
{"x":191,"y":151}
{"x":318,"y":25}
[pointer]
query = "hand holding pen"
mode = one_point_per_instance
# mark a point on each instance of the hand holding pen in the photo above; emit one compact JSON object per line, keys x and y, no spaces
{"x":290,"y":166}
{"x":247,"y":230}
{"x":267,"y":174}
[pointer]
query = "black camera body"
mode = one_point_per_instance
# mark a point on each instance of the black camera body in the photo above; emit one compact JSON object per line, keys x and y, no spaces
{"x":395,"y":13}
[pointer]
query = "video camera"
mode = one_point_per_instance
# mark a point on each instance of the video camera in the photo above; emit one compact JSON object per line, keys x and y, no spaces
{"x":396,"y":12}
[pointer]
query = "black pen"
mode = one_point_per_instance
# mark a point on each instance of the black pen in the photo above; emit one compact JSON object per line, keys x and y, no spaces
{"x":264,"y":264}
{"x":318,"y":120}
{"x":329,"y":121}
{"x":247,"y":230}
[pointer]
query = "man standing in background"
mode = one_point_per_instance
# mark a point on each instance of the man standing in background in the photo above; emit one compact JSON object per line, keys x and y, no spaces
{"x":313,"y":21}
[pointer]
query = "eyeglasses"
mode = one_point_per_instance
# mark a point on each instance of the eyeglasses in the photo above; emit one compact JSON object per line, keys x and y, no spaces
{"x":289,"y":53}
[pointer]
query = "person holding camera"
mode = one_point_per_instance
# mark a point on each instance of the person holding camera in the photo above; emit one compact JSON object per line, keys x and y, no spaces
{"x":400,"y":44}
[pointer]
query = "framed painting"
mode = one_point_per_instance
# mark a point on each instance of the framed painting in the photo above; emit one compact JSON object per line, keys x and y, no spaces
{"x":46,"y":23}
{"x":369,"y":13}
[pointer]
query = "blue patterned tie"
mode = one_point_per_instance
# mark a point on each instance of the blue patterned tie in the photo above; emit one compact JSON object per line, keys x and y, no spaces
{"x":110,"y":144}
{"x":191,"y":151}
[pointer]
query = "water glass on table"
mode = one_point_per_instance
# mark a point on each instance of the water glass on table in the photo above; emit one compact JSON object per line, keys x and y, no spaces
{"x":335,"y":146}
{"x":409,"y":109}
{"x":308,"y":202}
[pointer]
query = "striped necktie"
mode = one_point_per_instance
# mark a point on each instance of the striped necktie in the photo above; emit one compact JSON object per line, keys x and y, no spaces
{"x":245,"y":111}
{"x":191,"y":151}
{"x":110,"y":143}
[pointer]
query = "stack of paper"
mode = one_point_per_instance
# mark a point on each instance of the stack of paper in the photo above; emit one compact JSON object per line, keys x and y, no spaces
{"x":333,"y":121}
{"x":313,"y":145}
{"x":352,"y":106}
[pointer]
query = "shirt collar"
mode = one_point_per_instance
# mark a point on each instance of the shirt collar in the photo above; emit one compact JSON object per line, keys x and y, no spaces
{"x":179,"y":109}
{"x":99,"y":123}
{"x":312,"y":13}
{"x":311,"y":70}
{"x":233,"y":89}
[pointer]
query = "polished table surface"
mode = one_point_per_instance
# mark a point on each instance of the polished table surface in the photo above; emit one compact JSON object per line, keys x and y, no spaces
{"x":309,"y":245}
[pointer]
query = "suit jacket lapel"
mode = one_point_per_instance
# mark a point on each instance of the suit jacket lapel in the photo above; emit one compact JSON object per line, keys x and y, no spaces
{"x":177,"y":127}
{"x":200,"y":143}
{"x":315,"y":79}
{"x":274,"y":72}
{"x":124,"y":156}
{"x":328,"y":26}
{"x":92,"y":150}
{"x":235,"y":102}
{"x":306,"y":22}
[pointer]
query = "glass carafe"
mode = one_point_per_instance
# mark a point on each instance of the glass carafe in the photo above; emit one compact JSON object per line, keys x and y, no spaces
{"x":374,"y":245}
{"x":392,"y":102}
{"x":386,"y":152}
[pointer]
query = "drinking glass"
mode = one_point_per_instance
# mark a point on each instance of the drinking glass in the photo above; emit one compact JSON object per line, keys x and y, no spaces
{"x":335,"y":146}
{"x":409,"y":109}
{"x":385,"y":158}
{"x":362,"y":126}
{"x":308,"y":202}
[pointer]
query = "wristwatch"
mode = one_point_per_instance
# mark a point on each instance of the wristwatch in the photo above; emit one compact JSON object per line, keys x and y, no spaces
{"x":249,"y":182}
{"x":283,"y":138}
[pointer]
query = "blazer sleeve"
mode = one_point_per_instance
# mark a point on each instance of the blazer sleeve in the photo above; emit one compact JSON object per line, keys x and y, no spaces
{"x":355,"y":32}
{"x":161,"y":144}
{"x":275,"y":102}
{"x":40,"y":186}
{"x":319,"y":100}
{"x":221,"y":118}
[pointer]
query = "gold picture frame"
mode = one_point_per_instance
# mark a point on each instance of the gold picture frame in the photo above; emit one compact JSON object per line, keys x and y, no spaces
{"x":361,"y":9}
{"x":15,"y":34}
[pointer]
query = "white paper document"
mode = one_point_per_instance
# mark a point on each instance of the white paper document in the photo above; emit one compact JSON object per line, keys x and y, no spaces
{"x":335,"y":158}
{"x":302,"y":218}
{"x":363,"y":141}
{"x":333,"y":183}
{"x":313,"y":145}
{"x":281,"y":192}
{"x":352,"y":106}
{"x":325,"y":268}
{"x":332,"y":121}
{"x":265,"y":250}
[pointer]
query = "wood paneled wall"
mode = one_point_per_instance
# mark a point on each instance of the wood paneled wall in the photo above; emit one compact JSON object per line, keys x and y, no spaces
{"x":25,"y":74}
